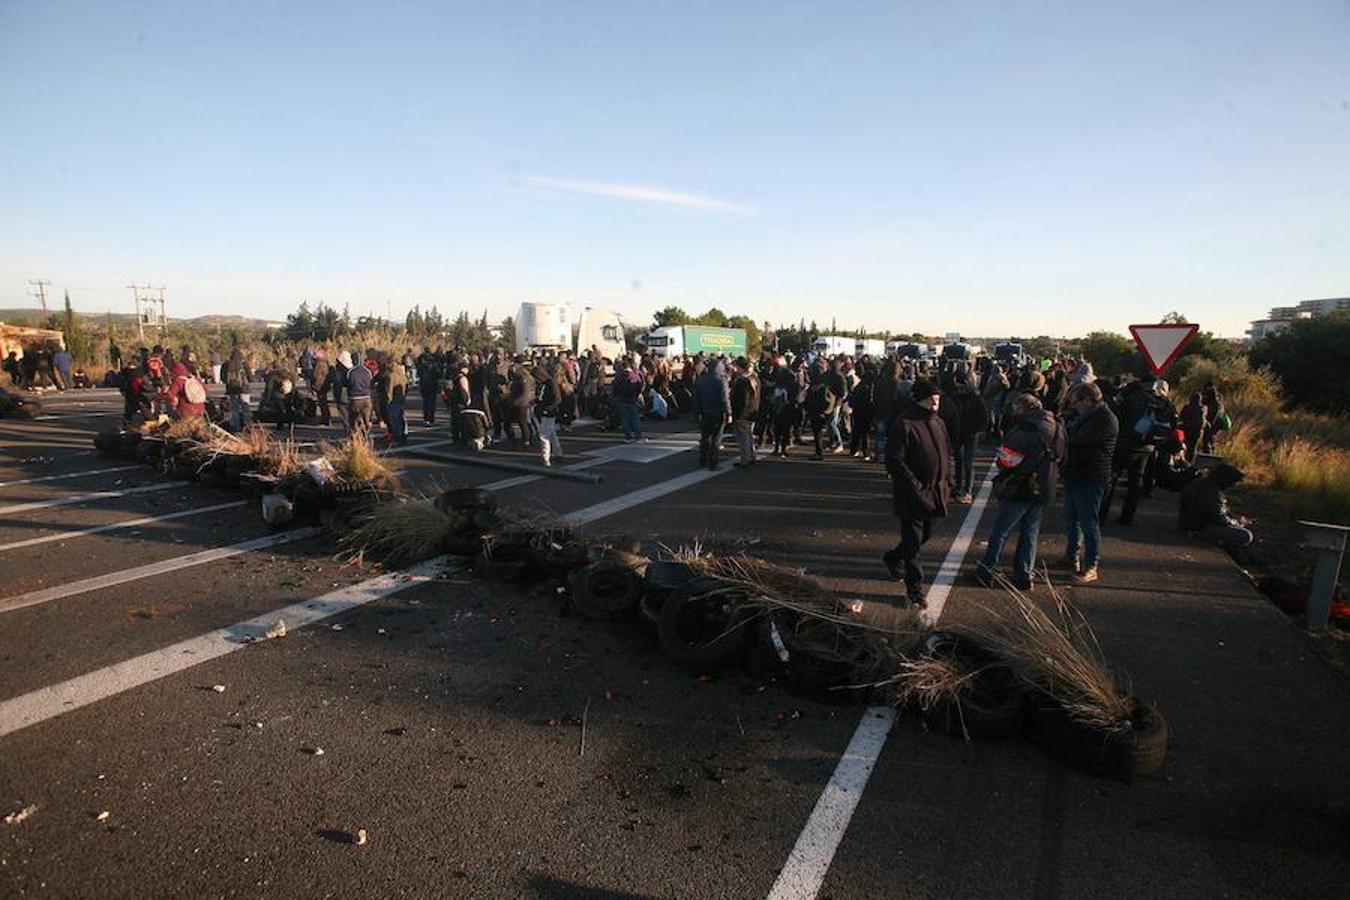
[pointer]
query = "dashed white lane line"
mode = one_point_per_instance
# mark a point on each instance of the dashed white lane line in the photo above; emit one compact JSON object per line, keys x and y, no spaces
{"x":642,"y":495}
{"x":83,"y":474}
{"x":111,"y":579}
{"x":49,"y":702}
{"x":804,"y":872}
{"x":114,"y":526}
{"x":14,"y":508}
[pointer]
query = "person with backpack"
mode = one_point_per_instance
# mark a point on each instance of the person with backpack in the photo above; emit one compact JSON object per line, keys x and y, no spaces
{"x":185,"y":395}
{"x":820,"y":406}
{"x":745,"y":410}
{"x":918,"y":459}
{"x":1027,"y":464}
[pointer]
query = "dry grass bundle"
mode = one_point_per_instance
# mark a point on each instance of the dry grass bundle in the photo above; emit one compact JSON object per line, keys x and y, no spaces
{"x":356,"y":459}
{"x":929,"y":682}
{"x":1056,"y":652}
{"x":192,"y":428}
{"x":400,"y":532}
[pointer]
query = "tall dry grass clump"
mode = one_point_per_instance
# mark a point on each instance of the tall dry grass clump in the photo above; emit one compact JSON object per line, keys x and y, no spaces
{"x":401,"y":532}
{"x":357,"y":460}
{"x":1056,"y":652}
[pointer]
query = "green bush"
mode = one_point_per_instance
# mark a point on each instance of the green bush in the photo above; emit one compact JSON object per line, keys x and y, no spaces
{"x":1310,"y":359}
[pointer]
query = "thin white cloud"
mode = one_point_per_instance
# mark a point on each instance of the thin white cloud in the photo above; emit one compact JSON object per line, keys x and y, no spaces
{"x":640,"y":192}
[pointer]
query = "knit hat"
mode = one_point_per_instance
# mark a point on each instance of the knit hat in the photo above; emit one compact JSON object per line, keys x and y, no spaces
{"x":923,"y":390}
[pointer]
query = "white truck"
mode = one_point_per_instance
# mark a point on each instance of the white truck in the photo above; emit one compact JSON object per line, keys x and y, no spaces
{"x":551,"y":326}
{"x":872,"y":347}
{"x":834,"y":345}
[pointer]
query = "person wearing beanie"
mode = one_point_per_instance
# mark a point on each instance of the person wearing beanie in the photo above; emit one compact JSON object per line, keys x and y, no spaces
{"x":918,"y":459}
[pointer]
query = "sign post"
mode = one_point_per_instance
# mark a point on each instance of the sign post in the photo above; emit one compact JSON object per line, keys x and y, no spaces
{"x":1161,"y":344}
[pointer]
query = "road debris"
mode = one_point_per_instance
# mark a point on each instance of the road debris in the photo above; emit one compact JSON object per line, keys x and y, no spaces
{"x":278,"y":630}
{"x":218,"y":688}
{"x":102,"y":817}
{"x":15,"y":818}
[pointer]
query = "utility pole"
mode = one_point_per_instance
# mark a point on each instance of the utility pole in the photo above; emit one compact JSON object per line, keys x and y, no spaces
{"x":41,"y":293}
{"x":141,"y":294}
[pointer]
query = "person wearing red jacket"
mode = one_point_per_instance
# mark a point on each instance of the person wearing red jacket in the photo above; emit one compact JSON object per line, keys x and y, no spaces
{"x":186,"y":395}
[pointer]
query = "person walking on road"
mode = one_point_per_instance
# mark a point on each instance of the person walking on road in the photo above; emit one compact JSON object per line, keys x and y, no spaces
{"x":712,"y":405}
{"x":918,"y":459}
{"x":745,"y":410}
{"x":548,"y":397}
{"x":1025,"y":483}
{"x":360,"y":407}
{"x":965,"y":415}
{"x":1090,"y":446}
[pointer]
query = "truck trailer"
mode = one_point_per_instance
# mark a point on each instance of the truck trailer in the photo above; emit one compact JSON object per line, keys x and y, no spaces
{"x":671,"y":341}
{"x":550,"y":326}
{"x":834,"y":345}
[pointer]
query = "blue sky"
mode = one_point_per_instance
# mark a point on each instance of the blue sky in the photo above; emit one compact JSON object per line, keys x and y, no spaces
{"x":990,"y":168}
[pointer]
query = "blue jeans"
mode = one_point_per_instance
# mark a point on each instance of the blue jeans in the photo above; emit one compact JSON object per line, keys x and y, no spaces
{"x":879,"y":436}
{"x":832,"y":428}
{"x":1082,"y":499}
{"x":398,"y":424}
{"x":965,"y":464}
{"x":629,"y":419}
{"x":1009,"y":514}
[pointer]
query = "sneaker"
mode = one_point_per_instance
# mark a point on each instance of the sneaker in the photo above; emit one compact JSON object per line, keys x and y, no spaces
{"x":1069,"y":564}
{"x":915,"y":599}
{"x":966,"y":499}
{"x":1087,"y":576}
{"x":629,"y":440}
{"x":1023,"y":586}
{"x":816,"y":456}
{"x":837,"y":450}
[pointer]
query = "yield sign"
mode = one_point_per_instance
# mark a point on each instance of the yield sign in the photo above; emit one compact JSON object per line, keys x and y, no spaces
{"x":1162,"y":344}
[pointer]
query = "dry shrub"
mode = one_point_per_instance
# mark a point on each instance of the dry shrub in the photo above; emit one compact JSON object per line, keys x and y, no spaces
{"x":356,"y":459}
{"x":400,"y":532}
{"x":1056,"y":653}
{"x":193,"y":428}
{"x":1316,"y":477}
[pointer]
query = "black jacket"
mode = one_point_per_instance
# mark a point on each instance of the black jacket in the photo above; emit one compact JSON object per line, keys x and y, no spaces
{"x":918,"y":458}
{"x":745,"y":397}
{"x":1091,"y":445}
{"x":1035,"y":443}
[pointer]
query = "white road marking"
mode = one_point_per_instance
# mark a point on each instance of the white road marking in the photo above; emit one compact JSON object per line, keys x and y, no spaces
{"x":85,"y":498}
{"x":642,"y":495}
{"x":88,"y":415}
{"x":937,"y":594}
{"x":67,"y":475}
{"x":806,"y":866}
{"x":49,"y":702}
{"x":527,"y":479}
{"x":131,"y":523}
{"x":98,"y":582}
{"x":810,"y":859}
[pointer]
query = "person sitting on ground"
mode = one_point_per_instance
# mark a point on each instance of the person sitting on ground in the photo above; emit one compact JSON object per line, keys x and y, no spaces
{"x":1203,"y":512}
{"x":185,"y":395}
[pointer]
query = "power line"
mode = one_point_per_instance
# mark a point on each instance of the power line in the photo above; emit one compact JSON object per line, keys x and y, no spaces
{"x":141,"y":294}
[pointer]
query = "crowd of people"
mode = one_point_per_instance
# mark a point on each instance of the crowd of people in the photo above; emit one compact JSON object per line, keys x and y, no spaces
{"x":1060,"y":432}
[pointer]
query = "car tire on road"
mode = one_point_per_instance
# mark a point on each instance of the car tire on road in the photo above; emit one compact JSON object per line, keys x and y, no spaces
{"x":1124,"y":755}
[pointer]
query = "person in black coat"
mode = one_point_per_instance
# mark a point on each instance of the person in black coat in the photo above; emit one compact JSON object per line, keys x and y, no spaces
{"x":918,"y":458}
{"x":1092,"y":430}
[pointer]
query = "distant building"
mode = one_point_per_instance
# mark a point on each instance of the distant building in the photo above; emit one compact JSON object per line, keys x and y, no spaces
{"x":1281,"y":316}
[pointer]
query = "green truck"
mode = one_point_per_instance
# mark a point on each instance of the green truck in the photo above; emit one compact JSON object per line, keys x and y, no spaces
{"x":672,"y":341}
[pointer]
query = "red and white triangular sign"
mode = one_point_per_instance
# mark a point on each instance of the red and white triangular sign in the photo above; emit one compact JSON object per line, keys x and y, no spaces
{"x":1162,"y":344}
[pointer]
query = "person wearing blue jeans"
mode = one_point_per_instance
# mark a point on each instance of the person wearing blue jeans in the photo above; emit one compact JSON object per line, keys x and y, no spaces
{"x":1011,"y":513}
{"x":1092,"y":431}
{"x":626,"y":391}
{"x":1026,"y":481}
{"x":1082,"y":500}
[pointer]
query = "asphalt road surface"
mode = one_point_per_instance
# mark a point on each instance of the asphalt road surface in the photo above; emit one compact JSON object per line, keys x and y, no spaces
{"x":488,"y":745}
